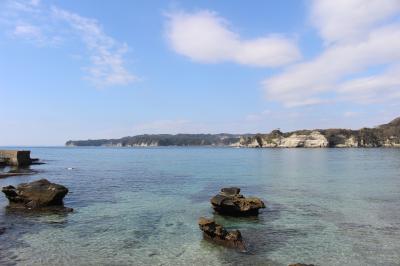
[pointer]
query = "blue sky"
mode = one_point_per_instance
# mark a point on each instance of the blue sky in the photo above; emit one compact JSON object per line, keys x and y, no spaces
{"x":85,"y":69}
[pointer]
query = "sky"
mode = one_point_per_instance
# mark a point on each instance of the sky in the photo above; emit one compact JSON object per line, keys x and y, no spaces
{"x":107,"y":69}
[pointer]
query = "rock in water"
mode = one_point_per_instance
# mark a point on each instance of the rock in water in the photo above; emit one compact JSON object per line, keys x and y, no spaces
{"x":230,"y":190}
{"x":36,"y":195}
{"x":230,"y":202}
{"x":218,"y":234}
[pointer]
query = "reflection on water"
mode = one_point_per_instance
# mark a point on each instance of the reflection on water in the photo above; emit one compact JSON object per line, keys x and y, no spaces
{"x":140,"y":207}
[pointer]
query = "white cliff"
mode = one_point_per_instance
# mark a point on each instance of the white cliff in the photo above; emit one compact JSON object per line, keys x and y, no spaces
{"x":313,"y":140}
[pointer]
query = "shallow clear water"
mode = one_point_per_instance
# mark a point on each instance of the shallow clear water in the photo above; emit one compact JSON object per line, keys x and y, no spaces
{"x":140,"y":207}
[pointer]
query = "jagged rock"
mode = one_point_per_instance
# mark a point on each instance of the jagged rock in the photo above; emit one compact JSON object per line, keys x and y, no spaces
{"x":230,"y":202}
{"x":218,"y":234}
{"x":301,"y":264}
{"x":36,"y":195}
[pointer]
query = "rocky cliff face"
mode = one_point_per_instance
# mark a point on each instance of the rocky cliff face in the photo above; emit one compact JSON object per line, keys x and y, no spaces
{"x":387,"y":135}
{"x":277,"y":139}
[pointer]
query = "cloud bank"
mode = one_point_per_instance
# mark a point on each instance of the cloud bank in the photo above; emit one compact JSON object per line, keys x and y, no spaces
{"x":358,"y":35}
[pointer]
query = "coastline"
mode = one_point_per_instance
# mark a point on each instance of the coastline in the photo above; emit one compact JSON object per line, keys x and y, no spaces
{"x":385,"y":135}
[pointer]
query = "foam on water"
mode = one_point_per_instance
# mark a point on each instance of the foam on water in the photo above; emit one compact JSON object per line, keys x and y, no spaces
{"x":140,"y":207}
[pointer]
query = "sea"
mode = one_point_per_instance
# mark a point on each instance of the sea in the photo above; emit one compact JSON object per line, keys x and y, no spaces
{"x":140,"y":206}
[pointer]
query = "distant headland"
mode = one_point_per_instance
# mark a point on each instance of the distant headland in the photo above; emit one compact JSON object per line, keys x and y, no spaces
{"x":386,"y":135}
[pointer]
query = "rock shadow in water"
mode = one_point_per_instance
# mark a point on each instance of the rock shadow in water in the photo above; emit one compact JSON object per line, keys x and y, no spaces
{"x":262,"y":237}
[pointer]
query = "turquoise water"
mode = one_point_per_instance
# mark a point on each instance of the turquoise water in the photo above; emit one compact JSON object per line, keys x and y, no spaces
{"x":139,"y":206}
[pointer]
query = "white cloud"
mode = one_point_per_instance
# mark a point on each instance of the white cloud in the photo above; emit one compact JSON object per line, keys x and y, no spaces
{"x":205,"y":37}
{"x":161,"y":125}
{"x":28,"y":31}
{"x":307,"y":82}
{"x":23,"y":6}
{"x":170,"y":126}
{"x":37,"y":23}
{"x":107,"y":55}
{"x":375,"y":88}
{"x":349,"y":20}
{"x":35,"y":2}
{"x":258,"y":116}
{"x":350,"y":114}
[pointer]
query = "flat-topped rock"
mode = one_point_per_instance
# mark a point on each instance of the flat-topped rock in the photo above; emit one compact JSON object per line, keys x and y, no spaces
{"x":15,"y":157}
{"x":230,"y":202}
{"x":219,"y":235}
{"x":36,"y":195}
{"x":230,"y":190}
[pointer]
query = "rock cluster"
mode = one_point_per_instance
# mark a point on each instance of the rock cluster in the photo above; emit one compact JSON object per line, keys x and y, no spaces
{"x":39,"y":194}
{"x":218,"y":234}
{"x":230,"y":202}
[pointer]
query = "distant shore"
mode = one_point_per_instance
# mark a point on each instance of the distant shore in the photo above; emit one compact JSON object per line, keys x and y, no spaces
{"x":386,"y":135}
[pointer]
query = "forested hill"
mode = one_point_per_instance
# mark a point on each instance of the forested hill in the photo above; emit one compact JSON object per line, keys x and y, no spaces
{"x":163,"y":140}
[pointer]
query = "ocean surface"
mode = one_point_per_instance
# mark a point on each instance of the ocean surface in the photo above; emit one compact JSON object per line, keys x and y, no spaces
{"x":140,"y":206}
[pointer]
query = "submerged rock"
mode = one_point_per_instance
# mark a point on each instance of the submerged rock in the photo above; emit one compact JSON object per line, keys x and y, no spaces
{"x":230,"y":201}
{"x":17,"y":172}
{"x":37,"y":195}
{"x":218,"y":234}
{"x":2,"y":230}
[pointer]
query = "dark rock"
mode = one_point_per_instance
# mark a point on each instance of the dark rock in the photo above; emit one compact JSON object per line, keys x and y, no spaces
{"x":230,"y":190}
{"x":2,"y":230}
{"x":218,"y":234}
{"x":36,"y":195}
{"x":301,"y":264}
{"x":230,"y":202}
